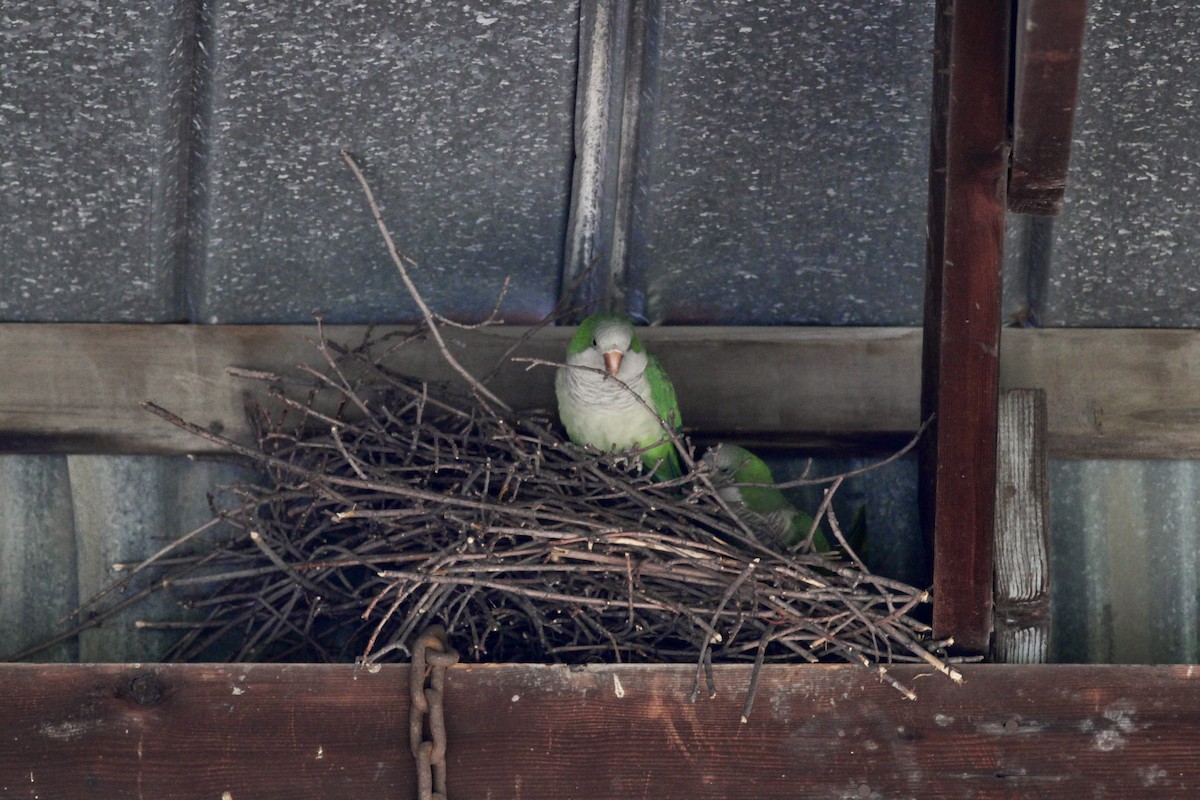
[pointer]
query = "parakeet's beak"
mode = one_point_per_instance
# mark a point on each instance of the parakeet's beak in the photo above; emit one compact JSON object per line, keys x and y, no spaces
{"x":612,"y":361}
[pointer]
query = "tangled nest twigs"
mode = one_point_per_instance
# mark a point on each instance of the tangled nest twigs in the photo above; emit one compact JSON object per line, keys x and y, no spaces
{"x":390,"y":504}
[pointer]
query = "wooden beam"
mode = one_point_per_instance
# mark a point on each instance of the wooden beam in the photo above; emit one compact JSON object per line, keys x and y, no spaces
{"x":1049,"y":52}
{"x":962,"y":324}
{"x":935,"y":242}
{"x":1022,"y":607}
{"x":310,"y":731}
{"x":1111,"y":393}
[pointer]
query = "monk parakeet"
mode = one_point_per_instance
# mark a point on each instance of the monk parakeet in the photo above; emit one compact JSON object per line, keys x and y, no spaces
{"x":768,"y":508}
{"x":603,"y":413}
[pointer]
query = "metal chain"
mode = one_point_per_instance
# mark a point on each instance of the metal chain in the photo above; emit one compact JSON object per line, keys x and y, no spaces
{"x":431,"y":655}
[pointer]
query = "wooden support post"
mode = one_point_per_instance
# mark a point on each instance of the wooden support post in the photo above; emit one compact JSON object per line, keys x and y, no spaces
{"x":960,"y":379}
{"x":1022,"y":614}
{"x":1049,"y":50}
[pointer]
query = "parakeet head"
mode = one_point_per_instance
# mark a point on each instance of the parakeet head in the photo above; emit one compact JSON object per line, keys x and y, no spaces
{"x":735,"y":464}
{"x":611,"y":335}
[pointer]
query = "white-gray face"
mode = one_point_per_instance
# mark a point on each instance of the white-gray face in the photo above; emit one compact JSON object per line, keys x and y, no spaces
{"x":631,"y":372}
{"x":591,"y":388}
{"x":613,"y":335}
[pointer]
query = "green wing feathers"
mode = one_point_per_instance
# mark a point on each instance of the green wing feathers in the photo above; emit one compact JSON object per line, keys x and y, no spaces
{"x":666,"y":405}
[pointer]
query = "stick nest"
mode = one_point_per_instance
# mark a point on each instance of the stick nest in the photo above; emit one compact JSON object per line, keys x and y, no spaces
{"x":390,"y":504}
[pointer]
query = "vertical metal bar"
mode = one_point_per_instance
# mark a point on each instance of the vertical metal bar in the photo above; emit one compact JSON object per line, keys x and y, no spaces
{"x":962,"y":323}
{"x":603,"y":39}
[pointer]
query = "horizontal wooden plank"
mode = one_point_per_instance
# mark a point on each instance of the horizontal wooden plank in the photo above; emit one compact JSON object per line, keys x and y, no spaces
{"x":308,"y":731}
{"x":1111,"y":393}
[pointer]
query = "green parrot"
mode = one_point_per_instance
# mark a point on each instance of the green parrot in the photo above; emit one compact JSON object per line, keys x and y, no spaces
{"x":601,"y":412}
{"x":767,"y":505}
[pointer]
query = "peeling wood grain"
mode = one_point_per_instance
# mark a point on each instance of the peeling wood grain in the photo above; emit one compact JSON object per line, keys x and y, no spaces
{"x":318,"y":731}
{"x":1022,"y":551}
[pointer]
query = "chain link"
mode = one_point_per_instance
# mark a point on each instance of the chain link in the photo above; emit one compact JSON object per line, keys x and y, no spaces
{"x":431,"y":655}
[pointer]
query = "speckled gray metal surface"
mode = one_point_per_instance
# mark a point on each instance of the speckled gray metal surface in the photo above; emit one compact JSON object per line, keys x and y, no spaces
{"x":89,"y":161}
{"x":784,"y":169}
{"x":462,"y":118}
{"x":1126,"y":243}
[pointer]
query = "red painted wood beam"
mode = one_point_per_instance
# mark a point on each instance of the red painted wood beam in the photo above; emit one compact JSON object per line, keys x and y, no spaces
{"x":960,"y":380}
{"x":295,"y":732}
{"x":1049,"y":51}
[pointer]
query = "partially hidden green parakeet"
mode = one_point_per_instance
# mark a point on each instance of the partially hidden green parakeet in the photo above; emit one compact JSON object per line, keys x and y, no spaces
{"x":599,"y":411}
{"x":767,"y":505}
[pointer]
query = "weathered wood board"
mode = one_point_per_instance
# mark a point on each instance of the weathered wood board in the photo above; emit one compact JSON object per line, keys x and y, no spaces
{"x":298,"y":732}
{"x":1111,"y":393}
{"x":1022,"y":545}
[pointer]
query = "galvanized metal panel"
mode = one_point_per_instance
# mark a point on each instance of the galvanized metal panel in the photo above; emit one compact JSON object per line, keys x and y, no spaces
{"x":37,"y":555}
{"x":462,"y":118}
{"x":90,"y":97}
{"x":783,"y":172}
{"x":1125,"y":553}
{"x":127,"y":508}
{"x":1126,"y":245}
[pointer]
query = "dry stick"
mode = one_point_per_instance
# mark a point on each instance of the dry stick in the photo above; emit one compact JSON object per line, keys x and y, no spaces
{"x":399,"y":260}
{"x":335,"y":431}
{"x":708,"y":640}
{"x":125,"y":579}
{"x":561,"y":309}
{"x":489,"y":320}
{"x":100,"y":616}
{"x":854,"y":472}
{"x":759,"y":656}
{"x":284,"y":567}
{"x":837,"y":530}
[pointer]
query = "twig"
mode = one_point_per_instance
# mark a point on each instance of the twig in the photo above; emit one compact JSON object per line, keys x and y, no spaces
{"x":400,"y":260}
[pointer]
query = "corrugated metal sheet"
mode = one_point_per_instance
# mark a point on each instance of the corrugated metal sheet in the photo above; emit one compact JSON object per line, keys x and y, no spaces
{"x":125,"y":509}
{"x":38,"y":570}
{"x":66,"y":520}
{"x":1125,"y":548}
